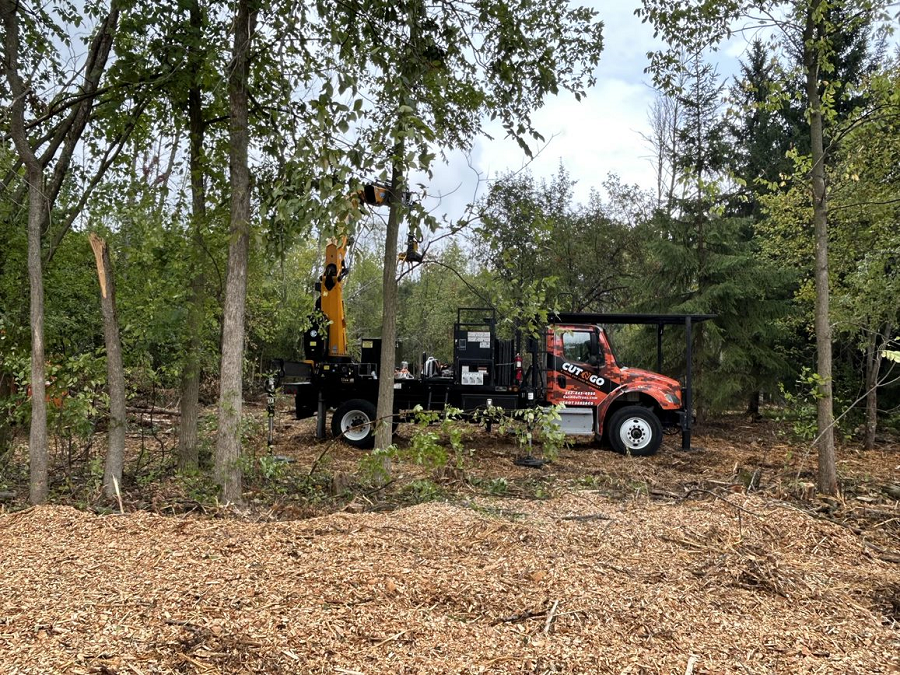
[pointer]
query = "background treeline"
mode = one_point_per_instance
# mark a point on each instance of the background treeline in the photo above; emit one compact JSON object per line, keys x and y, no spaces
{"x":137,"y":144}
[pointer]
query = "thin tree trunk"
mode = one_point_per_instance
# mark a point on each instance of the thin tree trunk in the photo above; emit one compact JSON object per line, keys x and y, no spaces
{"x":873,"y":367}
{"x":189,"y":407}
{"x":37,"y":438}
{"x":673,"y":150}
{"x":37,"y":205}
{"x":5,"y":429}
{"x":827,"y":478}
{"x":871,"y":394}
{"x":228,"y":439}
{"x":385,"y":410}
{"x":115,"y":373}
{"x":188,"y":456}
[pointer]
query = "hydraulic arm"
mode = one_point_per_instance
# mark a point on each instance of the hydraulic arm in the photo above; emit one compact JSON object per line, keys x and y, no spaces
{"x":332,"y":298}
{"x":331,"y":301}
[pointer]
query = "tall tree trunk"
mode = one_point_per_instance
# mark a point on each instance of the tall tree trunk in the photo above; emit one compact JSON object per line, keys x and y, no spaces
{"x":827,"y":479}
{"x":385,"y":410}
{"x":228,"y":439}
{"x":753,"y":404}
{"x":5,"y":427}
{"x":37,"y":206}
{"x":873,"y":367}
{"x":871,"y":394}
{"x":115,"y":373}
{"x":37,"y":437}
{"x":188,"y":457}
{"x":673,"y":150}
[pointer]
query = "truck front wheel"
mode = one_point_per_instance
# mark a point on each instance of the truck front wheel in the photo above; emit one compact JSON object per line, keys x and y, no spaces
{"x":635,"y":430}
{"x":354,"y":422}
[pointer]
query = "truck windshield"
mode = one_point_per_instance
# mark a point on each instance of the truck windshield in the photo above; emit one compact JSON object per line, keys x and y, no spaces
{"x":612,"y":350}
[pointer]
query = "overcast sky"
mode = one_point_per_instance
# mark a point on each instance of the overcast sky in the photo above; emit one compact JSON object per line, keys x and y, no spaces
{"x":592,"y":138}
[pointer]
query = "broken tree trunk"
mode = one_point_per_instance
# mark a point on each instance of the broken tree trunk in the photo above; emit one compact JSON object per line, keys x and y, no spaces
{"x":115,"y":373}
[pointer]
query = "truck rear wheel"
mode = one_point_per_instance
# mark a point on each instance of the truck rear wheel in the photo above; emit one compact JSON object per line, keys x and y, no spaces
{"x":354,"y":423}
{"x":635,"y":430}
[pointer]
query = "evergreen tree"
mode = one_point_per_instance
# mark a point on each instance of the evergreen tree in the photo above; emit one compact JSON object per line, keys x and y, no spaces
{"x":759,"y":139}
{"x":759,"y":136}
{"x":704,"y":259}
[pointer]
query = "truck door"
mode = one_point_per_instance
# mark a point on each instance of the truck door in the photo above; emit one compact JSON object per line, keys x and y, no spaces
{"x":573,"y":376}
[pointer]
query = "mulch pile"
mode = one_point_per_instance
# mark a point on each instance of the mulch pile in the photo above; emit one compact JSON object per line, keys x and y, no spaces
{"x":577,"y":584}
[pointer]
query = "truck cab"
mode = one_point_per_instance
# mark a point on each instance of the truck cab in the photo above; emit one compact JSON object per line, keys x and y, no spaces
{"x":628,"y":406}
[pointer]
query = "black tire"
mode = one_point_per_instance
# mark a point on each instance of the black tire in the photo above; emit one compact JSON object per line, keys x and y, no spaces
{"x":635,"y":430}
{"x":354,"y":423}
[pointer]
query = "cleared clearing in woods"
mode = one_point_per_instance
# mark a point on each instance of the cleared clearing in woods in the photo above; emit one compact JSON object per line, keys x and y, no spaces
{"x":654,"y":565}
{"x":575,"y":584}
{"x":595,"y":563}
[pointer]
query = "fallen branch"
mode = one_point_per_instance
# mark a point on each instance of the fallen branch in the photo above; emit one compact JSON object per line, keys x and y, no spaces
{"x":883,"y":554}
{"x":153,"y":411}
{"x":719,"y":497}
{"x":392,"y":638}
{"x":592,"y":516}
{"x":656,"y":492}
{"x":321,"y":456}
{"x":550,"y":617}
{"x":521,"y":616}
{"x":692,"y":661}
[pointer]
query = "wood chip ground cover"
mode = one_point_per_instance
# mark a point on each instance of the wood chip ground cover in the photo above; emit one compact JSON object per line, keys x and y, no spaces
{"x":576,"y":584}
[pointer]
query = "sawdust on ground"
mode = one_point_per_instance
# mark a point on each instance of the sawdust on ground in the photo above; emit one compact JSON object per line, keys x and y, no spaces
{"x":580,"y":583}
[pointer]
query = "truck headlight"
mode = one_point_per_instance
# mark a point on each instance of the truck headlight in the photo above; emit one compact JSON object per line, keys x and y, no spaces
{"x":673,"y":399}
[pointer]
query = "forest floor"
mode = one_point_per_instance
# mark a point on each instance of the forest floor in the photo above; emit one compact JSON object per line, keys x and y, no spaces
{"x":721,"y":559}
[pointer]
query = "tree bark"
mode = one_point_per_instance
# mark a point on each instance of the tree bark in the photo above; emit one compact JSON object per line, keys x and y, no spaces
{"x":753,"y":404}
{"x":873,"y":367}
{"x":385,"y":409}
{"x":827,"y":478}
{"x":228,"y":439}
{"x":115,"y":373}
{"x":188,"y":456}
{"x":38,"y":455}
{"x":37,"y":205}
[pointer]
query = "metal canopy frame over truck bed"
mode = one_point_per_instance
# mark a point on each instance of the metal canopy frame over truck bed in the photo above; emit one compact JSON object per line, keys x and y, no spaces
{"x":660,"y":321}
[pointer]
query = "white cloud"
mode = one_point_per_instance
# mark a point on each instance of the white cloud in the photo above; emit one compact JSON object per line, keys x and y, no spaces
{"x":594,"y":137}
{"x":591,"y":138}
